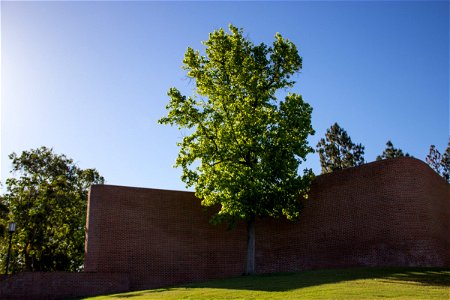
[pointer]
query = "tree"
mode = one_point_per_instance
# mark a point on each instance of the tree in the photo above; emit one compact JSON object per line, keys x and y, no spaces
{"x":3,"y":215}
{"x":391,"y":152}
{"x":245,"y":146}
{"x":440,"y":163}
{"x":3,"y":230}
{"x":337,"y":151}
{"x":445,"y":163}
{"x":47,"y":199}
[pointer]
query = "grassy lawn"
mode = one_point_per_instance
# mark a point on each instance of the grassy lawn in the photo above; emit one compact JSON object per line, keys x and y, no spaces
{"x":358,"y":283}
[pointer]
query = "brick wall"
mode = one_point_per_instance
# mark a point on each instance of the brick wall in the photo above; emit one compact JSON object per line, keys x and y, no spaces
{"x":158,"y":237}
{"x":387,"y":213}
{"x":60,"y":285}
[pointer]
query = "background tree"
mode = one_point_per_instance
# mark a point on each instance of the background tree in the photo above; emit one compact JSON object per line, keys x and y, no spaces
{"x":440,"y":163}
{"x":391,"y":152}
{"x":3,"y":232}
{"x":245,"y":146}
{"x":47,"y":199}
{"x":337,"y":151}
{"x":3,"y":217}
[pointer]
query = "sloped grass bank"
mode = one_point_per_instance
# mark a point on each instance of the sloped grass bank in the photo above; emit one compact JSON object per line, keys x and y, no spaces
{"x":357,"y":283}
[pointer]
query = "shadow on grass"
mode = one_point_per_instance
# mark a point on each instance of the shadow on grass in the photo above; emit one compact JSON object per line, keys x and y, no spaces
{"x":289,"y":281}
{"x":128,"y":295}
{"x":139,"y":293}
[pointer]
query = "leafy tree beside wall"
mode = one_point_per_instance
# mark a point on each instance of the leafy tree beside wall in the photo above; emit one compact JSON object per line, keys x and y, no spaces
{"x":47,"y":198}
{"x":245,"y":145}
{"x":337,"y":151}
{"x":3,"y":217}
{"x":440,"y":162}
{"x":3,"y":232}
{"x":391,"y":152}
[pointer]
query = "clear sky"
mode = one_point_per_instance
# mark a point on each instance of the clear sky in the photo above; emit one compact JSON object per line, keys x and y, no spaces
{"x":90,"y":78}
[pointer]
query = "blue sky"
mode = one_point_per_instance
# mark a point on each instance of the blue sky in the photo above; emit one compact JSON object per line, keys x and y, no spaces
{"x":90,"y":78}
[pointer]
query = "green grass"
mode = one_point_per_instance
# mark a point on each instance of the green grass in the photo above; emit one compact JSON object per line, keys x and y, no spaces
{"x":358,"y":283}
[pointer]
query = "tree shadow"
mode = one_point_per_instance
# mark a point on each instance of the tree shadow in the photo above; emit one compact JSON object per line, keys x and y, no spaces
{"x":138,"y":293}
{"x":127,"y":295}
{"x":437,"y":277}
{"x":289,"y":281}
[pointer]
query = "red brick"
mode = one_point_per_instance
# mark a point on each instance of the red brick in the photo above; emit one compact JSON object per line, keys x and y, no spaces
{"x":386,"y":213}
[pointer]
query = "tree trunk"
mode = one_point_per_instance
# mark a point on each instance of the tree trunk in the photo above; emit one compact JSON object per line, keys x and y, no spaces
{"x":28,"y":262}
{"x":250,"y":259}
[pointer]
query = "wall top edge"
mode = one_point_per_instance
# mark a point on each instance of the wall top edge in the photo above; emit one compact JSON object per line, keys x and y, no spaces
{"x":392,"y":163}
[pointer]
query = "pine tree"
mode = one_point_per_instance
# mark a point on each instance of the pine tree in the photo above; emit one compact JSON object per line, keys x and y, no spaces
{"x":440,"y":163}
{"x":391,"y":152}
{"x":337,"y":151}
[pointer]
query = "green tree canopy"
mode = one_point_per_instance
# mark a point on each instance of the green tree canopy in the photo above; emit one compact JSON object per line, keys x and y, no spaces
{"x":337,"y":151}
{"x":391,"y":152}
{"x":245,"y":145}
{"x":47,"y":199}
{"x":440,"y":163}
